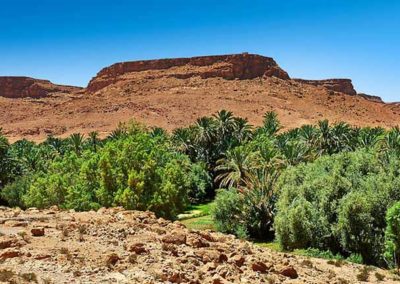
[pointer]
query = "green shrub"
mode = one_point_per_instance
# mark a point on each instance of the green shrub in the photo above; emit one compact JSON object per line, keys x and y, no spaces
{"x":245,"y":213}
{"x":13,"y":192}
{"x":359,"y":226}
{"x":338,"y":203}
{"x":392,"y":236}
{"x":227,"y":212}
{"x":138,"y":170}
{"x":201,"y":183}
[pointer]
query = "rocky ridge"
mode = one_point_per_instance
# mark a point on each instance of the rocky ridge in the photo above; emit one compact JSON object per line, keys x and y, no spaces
{"x":173,"y":93}
{"x":234,"y":66}
{"x":344,"y":86}
{"x":23,"y":87}
{"x":118,"y":246}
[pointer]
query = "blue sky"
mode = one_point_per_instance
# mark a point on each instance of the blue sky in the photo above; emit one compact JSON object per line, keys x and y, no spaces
{"x":70,"y":41}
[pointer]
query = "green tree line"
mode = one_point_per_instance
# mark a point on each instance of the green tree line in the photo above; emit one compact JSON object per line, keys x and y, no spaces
{"x":326,"y":186}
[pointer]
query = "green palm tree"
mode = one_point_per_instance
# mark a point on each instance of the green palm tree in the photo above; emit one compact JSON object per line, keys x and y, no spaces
{"x":295,"y":152}
{"x":3,"y":143}
{"x":76,"y":140}
{"x":309,"y":134}
{"x":93,"y":140}
{"x":392,"y":140}
{"x":206,"y":130}
{"x":236,"y":167}
{"x":243,"y":131}
{"x":271,"y":124}
{"x":225,"y":122}
{"x":370,"y":137}
{"x":158,"y":132}
{"x":118,"y":133}
{"x":56,"y":144}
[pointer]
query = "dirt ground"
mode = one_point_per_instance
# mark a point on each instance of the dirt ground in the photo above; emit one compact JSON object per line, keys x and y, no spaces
{"x":118,"y":246}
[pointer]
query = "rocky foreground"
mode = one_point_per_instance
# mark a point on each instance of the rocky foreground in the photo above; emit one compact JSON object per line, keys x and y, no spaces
{"x":119,"y":246}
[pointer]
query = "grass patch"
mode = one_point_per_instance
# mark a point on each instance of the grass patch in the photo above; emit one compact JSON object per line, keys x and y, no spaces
{"x":200,"y":223}
{"x":196,"y":210}
{"x":198,"y":217}
{"x":270,"y":245}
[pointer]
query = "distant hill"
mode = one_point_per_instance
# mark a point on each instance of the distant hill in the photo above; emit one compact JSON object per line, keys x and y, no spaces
{"x":174,"y":92}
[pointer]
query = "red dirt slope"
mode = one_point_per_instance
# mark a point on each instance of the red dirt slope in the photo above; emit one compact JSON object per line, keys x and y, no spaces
{"x":174,"y":92}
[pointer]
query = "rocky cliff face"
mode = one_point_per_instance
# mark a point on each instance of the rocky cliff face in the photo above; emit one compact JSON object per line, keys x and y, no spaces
{"x":338,"y":85}
{"x":22,"y":87}
{"x":371,"y":98}
{"x":236,"y":66}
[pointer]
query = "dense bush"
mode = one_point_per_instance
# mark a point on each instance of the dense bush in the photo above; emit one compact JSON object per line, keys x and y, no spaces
{"x":337,"y":182}
{"x":244,"y":213}
{"x":228,"y":211}
{"x":392,"y":236}
{"x":338,"y":203}
{"x":137,"y":170}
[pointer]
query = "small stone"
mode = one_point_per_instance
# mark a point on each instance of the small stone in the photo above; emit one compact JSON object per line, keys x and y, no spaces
{"x":6,"y":243}
{"x":9,"y":253}
{"x":37,"y":232}
{"x":197,"y":242}
{"x":112,"y":259}
{"x":259,"y":267}
{"x":176,"y":278}
{"x":222,"y":258}
{"x":175,"y":238}
{"x":290,"y":272}
{"x":238,"y":260}
{"x":13,"y":223}
{"x":217,"y":280}
{"x":138,"y":248}
{"x":41,"y":256}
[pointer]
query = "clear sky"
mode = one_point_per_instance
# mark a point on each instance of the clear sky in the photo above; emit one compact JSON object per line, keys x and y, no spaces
{"x":69,"y":41}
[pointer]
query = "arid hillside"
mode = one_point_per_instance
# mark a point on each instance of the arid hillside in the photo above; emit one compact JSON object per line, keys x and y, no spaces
{"x":174,"y":92}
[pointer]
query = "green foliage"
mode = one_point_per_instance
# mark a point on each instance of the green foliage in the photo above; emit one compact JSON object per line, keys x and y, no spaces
{"x":13,"y":192}
{"x":4,"y":160}
{"x":227,"y":211}
{"x":138,"y":170}
{"x":335,"y":182}
{"x":201,"y":183}
{"x":338,"y":203}
{"x":392,"y":236}
{"x":313,"y":252}
{"x":244,"y":213}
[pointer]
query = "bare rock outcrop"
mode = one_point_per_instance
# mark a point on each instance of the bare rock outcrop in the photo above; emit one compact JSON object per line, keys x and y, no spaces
{"x":22,"y":87}
{"x":337,"y":85}
{"x":236,"y":66}
{"x":371,"y":98}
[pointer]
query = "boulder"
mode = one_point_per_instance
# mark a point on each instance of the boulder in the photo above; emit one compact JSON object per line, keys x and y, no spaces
{"x":177,"y":238}
{"x":289,"y":271}
{"x":37,"y":232}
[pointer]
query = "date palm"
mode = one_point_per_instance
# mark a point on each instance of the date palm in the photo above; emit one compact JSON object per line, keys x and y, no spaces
{"x":56,"y":144}
{"x":271,"y":124}
{"x":243,"y":131}
{"x":370,"y":137}
{"x":392,"y":140}
{"x":3,"y":143}
{"x":235,"y":169}
{"x":93,"y":140}
{"x":225,"y":123}
{"x":76,"y":140}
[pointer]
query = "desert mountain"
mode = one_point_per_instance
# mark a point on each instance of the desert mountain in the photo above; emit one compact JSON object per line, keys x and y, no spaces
{"x":22,"y":87}
{"x":175,"y":92}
